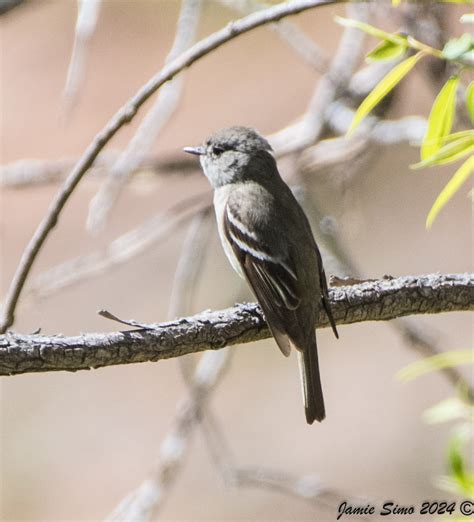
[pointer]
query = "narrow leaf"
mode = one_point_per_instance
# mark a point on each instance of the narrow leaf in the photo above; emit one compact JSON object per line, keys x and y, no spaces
{"x":448,"y":153}
{"x":441,"y":118}
{"x":457,"y":442}
{"x":383,"y":88}
{"x":468,"y":57}
{"x":386,"y":50}
{"x":370,"y":29}
{"x":470,"y":100}
{"x":455,"y":136}
{"x":453,"y":185}
{"x":435,"y":363}
{"x":448,"y":410}
{"x":456,"y":47}
{"x":467,"y":18}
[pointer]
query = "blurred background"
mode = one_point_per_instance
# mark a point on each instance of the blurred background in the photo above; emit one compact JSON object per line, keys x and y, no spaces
{"x":74,"y":445}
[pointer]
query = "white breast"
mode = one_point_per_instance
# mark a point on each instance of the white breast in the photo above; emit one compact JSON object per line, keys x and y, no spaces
{"x":220,"y":199}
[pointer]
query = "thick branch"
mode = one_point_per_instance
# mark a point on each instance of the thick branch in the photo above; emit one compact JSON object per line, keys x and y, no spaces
{"x":379,"y":300}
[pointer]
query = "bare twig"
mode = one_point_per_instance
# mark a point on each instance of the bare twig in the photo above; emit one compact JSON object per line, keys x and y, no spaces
{"x":289,"y":32}
{"x":337,"y":115}
{"x":335,"y":82}
{"x":143,"y":502}
{"x":308,"y":488}
{"x":24,"y":173}
{"x":152,"y":124}
{"x":124,"y":116}
{"x":7,"y":5}
{"x":87,"y":16}
{"x":187,"y":272}
{"x":379,"y":300}
{"x":190,"y":263}
{"x":119,"y":251}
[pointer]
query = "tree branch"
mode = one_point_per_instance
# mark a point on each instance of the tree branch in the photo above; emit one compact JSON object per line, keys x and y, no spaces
{"x":152,"y":124}
{"x":124,"y":116}
{"x":378,"y":300}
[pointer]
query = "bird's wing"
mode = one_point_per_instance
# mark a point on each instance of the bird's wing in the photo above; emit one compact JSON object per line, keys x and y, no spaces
{"x":325,"y":293}
{"x":272,"y":276}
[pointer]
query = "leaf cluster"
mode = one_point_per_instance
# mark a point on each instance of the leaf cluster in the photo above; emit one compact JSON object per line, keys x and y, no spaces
{"x":440,"y":146}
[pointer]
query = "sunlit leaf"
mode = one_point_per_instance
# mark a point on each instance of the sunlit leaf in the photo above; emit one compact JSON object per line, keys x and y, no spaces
{"x":395,"y":3}
{"x":453,"y":185}
{"x":457,"y":442}
{"x":467,"y":18}
{"x":456,"y":47}
{"x":448,"y":153}
{"x":447,"y":484}
{"x":386,"y":50}
{"x":454,"y":136}
{"x":383,"y":88}
{"x":448,"y":410}
{"x":468,"y":57}
{"x":435,"y":363}
{"x":371,"y":30}
{"x":470,"y":100}
{"x":441,"y":118}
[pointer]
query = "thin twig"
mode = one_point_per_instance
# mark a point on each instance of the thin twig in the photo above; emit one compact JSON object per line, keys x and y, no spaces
{"x":143,"y":503}
{"x":124,"y":116}
{"x":190,"y":263}
{"x":153,"y":122}
{"x":7,"y":5}
{"x":28,"y":172}
{"x":336,"y":80}
{"x":377,"y":300}
{"x":87,"y":16}
{"x":119,"y":251}
{"x":288,"y":32}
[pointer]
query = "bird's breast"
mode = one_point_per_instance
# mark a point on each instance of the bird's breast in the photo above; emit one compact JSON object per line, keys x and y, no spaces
{"x":221,"y":195}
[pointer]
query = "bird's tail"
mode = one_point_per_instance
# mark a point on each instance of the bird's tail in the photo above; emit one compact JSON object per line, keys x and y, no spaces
{"x":311,"y":382}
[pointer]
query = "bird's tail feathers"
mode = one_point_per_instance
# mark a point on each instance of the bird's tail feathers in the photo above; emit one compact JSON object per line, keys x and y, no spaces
{"x":311,"y":383}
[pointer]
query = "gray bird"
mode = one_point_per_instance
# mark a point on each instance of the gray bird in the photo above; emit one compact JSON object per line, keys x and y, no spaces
{"x":268,"y":241}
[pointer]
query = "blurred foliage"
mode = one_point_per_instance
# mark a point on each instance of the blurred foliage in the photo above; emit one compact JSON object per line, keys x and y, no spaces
{"x":435,"y":363}
{"x":460,"y":479}
{"x":439,"y":146}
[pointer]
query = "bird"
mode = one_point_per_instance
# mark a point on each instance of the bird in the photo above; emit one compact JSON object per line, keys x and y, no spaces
{"x":267,"y":238}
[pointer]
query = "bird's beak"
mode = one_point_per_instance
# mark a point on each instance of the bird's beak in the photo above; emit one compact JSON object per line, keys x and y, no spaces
{"x":199,"y":151}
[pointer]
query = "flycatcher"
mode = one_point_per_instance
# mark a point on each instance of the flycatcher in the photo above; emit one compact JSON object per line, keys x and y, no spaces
{"x":268,"y":240}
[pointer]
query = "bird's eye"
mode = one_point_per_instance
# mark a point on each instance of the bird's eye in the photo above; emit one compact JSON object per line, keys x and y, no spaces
{"x":217,"y":151}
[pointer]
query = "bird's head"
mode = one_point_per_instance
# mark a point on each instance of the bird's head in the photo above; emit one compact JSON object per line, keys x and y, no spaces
{"x":232,"y":155}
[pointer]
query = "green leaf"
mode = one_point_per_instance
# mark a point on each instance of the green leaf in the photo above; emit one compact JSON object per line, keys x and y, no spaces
{"x":395,"y":3}
{"x":456,"y":47}
{"x":441,"y":118}
{"x":468,"y":58}
{"x":453,"y":185}
{"x":448,"y":153}
{"x":448,"y":410}
{"x":467,"y":18}
{"x":435,"y":363}
{"x":463,"y":477}
{"x":370,"y":29}
{"x":470,"y":100}
{"x":383,"y":88}
{"x":454,"y":136}
{"x":386,"y":50}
